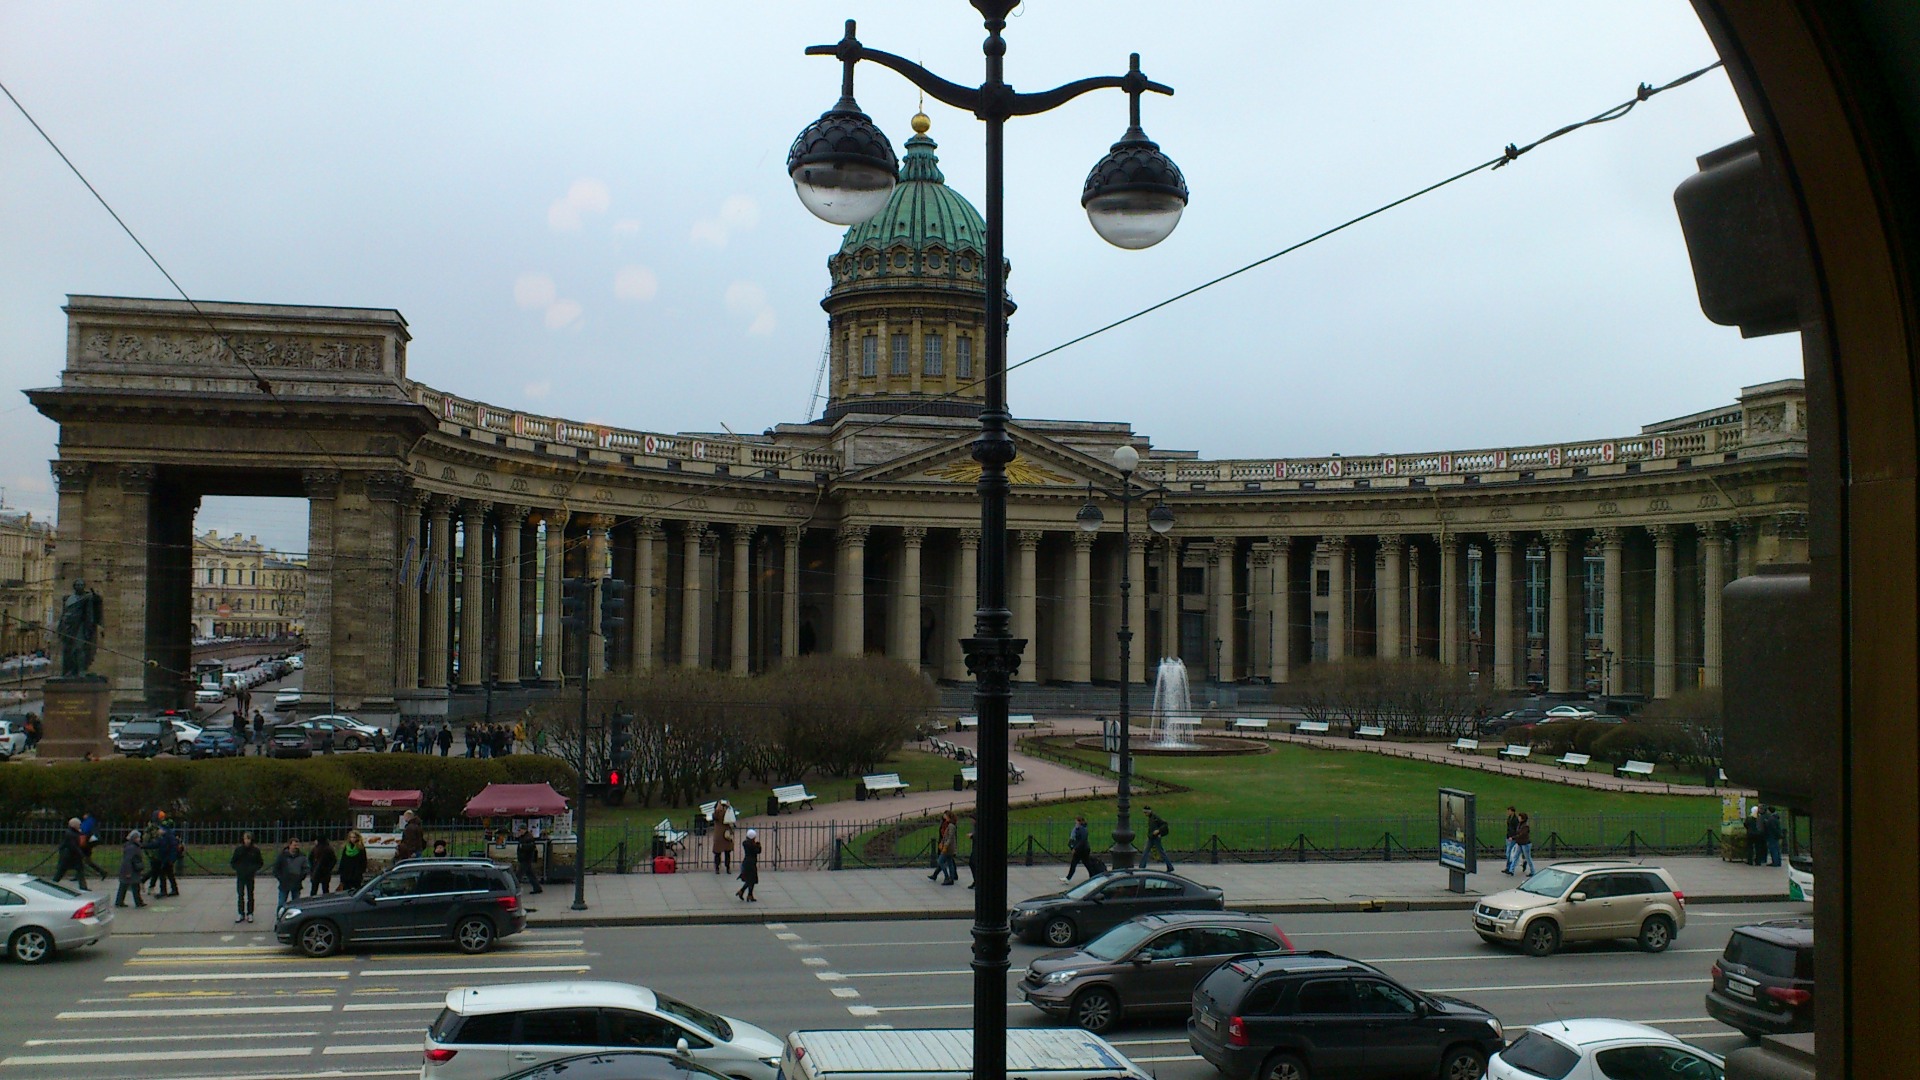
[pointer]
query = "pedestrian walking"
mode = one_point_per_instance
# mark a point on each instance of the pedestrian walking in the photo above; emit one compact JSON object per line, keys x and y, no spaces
{"x":445,"y":739}
{"x":722,"y":836}
{"x":246,"y":863}
{"x":413,"y":838}
{"x":1513,"y":850}
{"x":472,"y":738}
{"x":163,"y":851}
{"x":1771,"y":831}
{"x":259,"y":733}
{"x":1157,"y":829}
{"x":502,"y":740}
{"x":353,"y":862}
{"x":1756,"y":835}
{"x":323,"y":860}
{"x":89,"y":827}
{"x":971,"y":880}
{"x":1523,"y":844}
{"x":1078,"y":845}
{"x":749,"y":865}
{"x":519,"y":735}
{"x":529,"y":857}
{"x":132,"y":862}
{"x":289,"y":870}
{"x":946,"y":846}
{"x":72,"y":855}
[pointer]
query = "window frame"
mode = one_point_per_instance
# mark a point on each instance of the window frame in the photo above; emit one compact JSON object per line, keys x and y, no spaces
{"x":932,"y":356}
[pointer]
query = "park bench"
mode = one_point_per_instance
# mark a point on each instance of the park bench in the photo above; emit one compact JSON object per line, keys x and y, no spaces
{"x":1466,"y":746}
{"x":1574,"y":761}
{"x":1250,"y":723}
{"x":1022,"y":720}
{"x":878,"y":783}
{"x":1370,"y":731}
{"x":1634,"y":768}
{"x":793,"y":795}
{"x":1517,"y":753}
{"x":967,"y":723}
{"x":1311,"y":727}
{"x":664,"y":830}
{"x":971,"y":774}
{"x":1186,"y":725}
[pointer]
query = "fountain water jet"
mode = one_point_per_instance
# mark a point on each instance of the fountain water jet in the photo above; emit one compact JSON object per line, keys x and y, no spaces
{"x":1170,"y":702}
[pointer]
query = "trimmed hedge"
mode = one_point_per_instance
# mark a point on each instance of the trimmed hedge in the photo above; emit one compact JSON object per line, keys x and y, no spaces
{"x":252,"y":789}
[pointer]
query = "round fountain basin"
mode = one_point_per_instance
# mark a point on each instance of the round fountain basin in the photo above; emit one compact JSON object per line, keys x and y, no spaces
{"x":1144,"y":745}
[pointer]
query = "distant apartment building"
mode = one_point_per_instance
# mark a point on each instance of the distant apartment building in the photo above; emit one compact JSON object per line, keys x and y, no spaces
{"x":241,"y":588}
{"x":26,"y":582}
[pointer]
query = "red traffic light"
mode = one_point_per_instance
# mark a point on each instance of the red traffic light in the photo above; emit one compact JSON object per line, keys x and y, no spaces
{"x":613,"y":777}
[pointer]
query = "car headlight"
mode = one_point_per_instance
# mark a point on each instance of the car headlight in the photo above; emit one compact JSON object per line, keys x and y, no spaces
{"x":1059,"y":977}
{"x":290,"y":913}
{"x":771,"y":1062}
{"x":1499,"y":1032}
{"x":1022,"y":913}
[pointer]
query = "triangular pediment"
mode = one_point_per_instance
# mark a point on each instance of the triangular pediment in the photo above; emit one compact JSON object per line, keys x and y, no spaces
{"x":1041,"y":463}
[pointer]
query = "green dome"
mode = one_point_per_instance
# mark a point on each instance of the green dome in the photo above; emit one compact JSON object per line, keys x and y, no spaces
{"x":923,"y":212}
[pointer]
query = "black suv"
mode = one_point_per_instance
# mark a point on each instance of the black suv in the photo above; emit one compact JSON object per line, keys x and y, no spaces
{"x":470,"y":902}
{"x":1288,"y":1017}
{"x":1763,"y":983}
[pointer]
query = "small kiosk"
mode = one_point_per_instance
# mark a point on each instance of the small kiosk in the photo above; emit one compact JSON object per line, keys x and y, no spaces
{"x":372,"y":807}
{"x":507,"y":808}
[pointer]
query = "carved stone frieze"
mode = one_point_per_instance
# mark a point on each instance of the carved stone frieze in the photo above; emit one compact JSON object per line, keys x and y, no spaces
{"x":70,"y":477}
{"x":178,"y":348}
{"x":320,"y":483}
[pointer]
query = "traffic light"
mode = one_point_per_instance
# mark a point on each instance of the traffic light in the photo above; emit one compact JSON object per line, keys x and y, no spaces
{"x":613,"y":604}
{"x":619,"y":743}
{"x":573,"y":602}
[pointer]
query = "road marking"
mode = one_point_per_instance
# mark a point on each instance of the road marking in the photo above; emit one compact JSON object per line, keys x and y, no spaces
{"x":814,"y":961}
{"x":863,"y":1010}
{"x":1744,"y":914}
{"x":416,"y":1029}
{"x":787,"y":936}
{"x":197,"y":1037}
{"x":845,"y":992}
{"x":1565,"y":986}
{"x":177,"y":950}
{"x":828,"y":976}
{"x":929,"y":1008}
{"x":1496,"y":956}
{"x":115,"y":1057}
{"x":396,"y":1006}
{"x":374,"y":1048}
{"x":434,"y":972}
{"x":1145,"y":1042}
{"x":225,"y":976}
{"x":901,"y":974}
{"x":1168,"y":1057}
{"x":775,"y":925}
{"x":886,"y":944}
{"x":221,"y":1010}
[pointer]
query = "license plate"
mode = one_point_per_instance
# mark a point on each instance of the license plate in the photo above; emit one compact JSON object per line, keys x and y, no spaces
{"x":1740,"y":987}
{"x":1209,"y":1022}
{"x":1488,"y":923}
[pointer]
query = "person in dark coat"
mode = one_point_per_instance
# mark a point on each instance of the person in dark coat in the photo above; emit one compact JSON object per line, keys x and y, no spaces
{"x":259,"y":734}
{"x":529,"y":857}
{"x":1756,"y":836}
{"x":289,"y":870}
{"x":353,"y":862}
{"x":246,"y":863}
{"x":413,"y":838}
{"x":1523,"y":846}
{"x":445,"y":739}
{"x":322,"y":860}
{"x":88,"y":827}
{"x":749,"y":865}
{"x":132,"y":862}
{"x":1772,"y":831}
{"x":723,"y":818}
{"x":72,"y":855}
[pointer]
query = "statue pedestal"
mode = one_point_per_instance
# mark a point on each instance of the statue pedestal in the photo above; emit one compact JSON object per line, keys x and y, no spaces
{"x":75,"y":718}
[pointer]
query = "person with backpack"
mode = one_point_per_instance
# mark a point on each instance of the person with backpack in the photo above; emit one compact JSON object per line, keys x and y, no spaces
{"x":1523,"y":845}
{"x":1157,"y":829}
{"x":89,"y":826}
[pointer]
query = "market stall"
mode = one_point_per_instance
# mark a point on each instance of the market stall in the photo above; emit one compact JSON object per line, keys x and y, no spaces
{"x":505,"y":809}
{"x":377,"y":813}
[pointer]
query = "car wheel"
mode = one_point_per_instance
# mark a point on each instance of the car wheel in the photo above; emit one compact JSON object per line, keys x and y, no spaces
{"x":31,"y":945}
{"x":1656,"y":933}
{"x":1096,"y":1009}
{"x":1462,"y":1063}
{"x":1283,"y":1067}
{"x":319,"y":938}
{"x":473,"y":935}
{"x":1059,"y":932}
{"x":353,"y":742}
{"x":1542,"y":938}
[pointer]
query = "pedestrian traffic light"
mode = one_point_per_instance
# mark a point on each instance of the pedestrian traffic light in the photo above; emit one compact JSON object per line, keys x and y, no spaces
{"x":573,"y":602}
{"x":619,"y":740}
{"x":613,"y":605}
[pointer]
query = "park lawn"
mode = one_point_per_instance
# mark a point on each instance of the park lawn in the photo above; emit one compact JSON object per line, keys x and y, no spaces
{"x":922,"y":770}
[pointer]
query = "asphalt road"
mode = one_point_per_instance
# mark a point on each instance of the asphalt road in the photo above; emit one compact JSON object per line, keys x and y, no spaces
{"x":170,"y":1007}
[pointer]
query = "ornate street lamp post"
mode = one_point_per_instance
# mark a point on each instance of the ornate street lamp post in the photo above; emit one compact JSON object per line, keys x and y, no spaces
{"x":844,"y":170}
{"x":1160,"y":519}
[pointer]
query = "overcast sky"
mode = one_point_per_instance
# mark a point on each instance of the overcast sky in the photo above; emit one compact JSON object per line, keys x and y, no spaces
{"x":582,"y":211}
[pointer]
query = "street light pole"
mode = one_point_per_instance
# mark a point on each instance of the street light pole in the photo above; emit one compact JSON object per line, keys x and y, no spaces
{"x":844,"y":170}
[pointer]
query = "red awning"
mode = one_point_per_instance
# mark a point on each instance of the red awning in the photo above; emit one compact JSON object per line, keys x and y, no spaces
{"x":369,"y":799}
{"x":517,"y":800}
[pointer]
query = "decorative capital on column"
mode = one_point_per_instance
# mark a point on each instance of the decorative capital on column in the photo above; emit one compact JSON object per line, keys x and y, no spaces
{"x":851,"y":536}
{"x":1030,"y":538}
{"x":649,"y":528}
{"x":1335,"y":544}
{"x":1262,"y":557}
{"x":1083,"y":541}
{"x":1662,"y":534}
{"x":791,"y":535}
{"x":1502,"y":541}
{"x":442,"y":506}
{"x":1449,"y":544}
{"x":598,"y":524}
{"x":914,"y":534}
{"x":709,"y":540}
{"x":320,"y":483}
{"x":474,"y":511}
{"x":1393,"y":544}
{"x":1714,"y":530}
{"x":138,"y":479}
{"x":387,"y":486}
{"x":1224,"y":547}
{"x":512,"y":514}
{"x":1791,"y":525}
{"x":970,"y":538}
{"x":70,"y":477}
{"x":1555,"y":539}
{"x":740,"y":534}
{"x":1139,"y":541}
{"x":555,"y":518}
{"x":1609,"y":537}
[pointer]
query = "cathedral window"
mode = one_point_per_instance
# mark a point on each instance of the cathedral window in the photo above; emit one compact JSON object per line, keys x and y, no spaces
{"x":963,"y":357}
{"x":934,"y":364}
{"x":869,"y":356}
{"x":902,"y":354}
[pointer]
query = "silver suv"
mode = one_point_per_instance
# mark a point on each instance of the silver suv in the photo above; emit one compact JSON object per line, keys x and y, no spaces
{"x":1585,"y":901}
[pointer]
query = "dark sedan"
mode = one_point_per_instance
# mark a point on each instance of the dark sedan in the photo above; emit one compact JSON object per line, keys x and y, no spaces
{"x":1143,"y":966}
{"x":214,"y":742}
{"x":1101,"y":903}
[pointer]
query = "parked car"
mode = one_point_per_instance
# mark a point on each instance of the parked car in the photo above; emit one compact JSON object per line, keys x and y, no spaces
{"x":469,"y":902}
{"x":1512,"y":718}
{"x":1598,"y":1049}
{"x":214,"y":742}
{"x":349,"y":734}
{"x":486,"y":1031}
{"x":1569,"y":712}
{"x":13,"y":738}
{"x":1800,"y":877}
{"x":286,"y":699}
{"x":1296,"y":1015}
{"x":619,"y":1065}
{"x":147,"y":737}
{"x":208,"y":694}
{"x":1146,"y":965}
{"x":43,"y":918}
{"x":1101,"y":903}
{"x":299,"y":741}
{"x":1585,"y":901}
{"x":1763,"y":982}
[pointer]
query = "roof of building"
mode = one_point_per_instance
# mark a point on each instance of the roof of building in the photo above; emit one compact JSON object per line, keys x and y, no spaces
{"x":923,"y":212}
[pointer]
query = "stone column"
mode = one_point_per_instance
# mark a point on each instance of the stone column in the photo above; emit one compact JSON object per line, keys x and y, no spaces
{"x":1220,"y":574}
{"x":507,"y":616}
{"x":790,"y":591}
{"x":387,"y":509}
{"x":1079,"y":665}
{"x":966,"y":591}
{"x":1503,"y":643}
{"x":741,"y":639}
{"x":473,"y":604}
{"x":1663,"y":629}
{"x":1558,"y":652}
{"x":1612,"y":609}
{"x":1280,"y":664}
{"x":693,"y":606}
{"x":1169,"y":600}
{"x":1388,"y":602}
{"x":597,"y":568}
{"x":850,"y":588}
{"x":1413,"y":601}
{"x":1137,"y":605}
{"x":1713,"y":560}
{"x":406,"y":635}
{"x":645,"y":593}
{"x":1336,"y":598}
{"x":905,"y":621}
{"x":1260,"y":597}
{"x":1026,"y":574}
{"x":435,"y":609}
{"x":553,"y":661}
{"x":1450,"y":606}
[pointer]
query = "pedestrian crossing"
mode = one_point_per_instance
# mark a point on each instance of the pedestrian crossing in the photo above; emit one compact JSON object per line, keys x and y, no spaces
{"x":250,"y":1008}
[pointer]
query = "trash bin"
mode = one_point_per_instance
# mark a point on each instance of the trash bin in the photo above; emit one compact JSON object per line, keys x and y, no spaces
{"x":659,"y":845}
{"x":959,"y":782}
{"x":773,"y":806}
{"x":699,"y":824}
{"x":859,"y":793}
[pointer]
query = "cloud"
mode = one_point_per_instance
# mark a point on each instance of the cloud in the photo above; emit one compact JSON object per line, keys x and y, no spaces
{"x":626,"y":226}
{"x":538,"y":389}
{"x":534,"y":290}
{"x":749,"y":299}
{"x":738,"y":213}
{"x":763,"y":323}
{"x":562,"y":312}
{"x":635,"y":283}
{"x":584,"y":196}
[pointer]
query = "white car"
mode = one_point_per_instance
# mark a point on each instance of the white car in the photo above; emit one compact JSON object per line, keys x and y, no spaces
{"x":286,"y":699}
{"x":43,"y":918}
{"x":1599,"y":1049}
{"x":1569,"y":712}
{"x":474,"y":1038}
{"x":13,"y":739}
{"x":209,"y":695}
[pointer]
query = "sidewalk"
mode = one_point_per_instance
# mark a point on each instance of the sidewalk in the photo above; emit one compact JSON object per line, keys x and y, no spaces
{"x":205,"y":905}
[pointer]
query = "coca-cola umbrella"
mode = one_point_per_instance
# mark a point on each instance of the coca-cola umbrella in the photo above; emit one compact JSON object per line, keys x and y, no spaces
{"x":516,"y":800}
